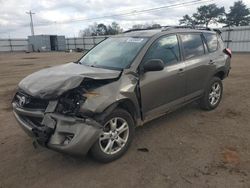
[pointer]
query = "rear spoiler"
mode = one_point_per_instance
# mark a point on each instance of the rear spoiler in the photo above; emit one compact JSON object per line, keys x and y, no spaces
{"x":217,"y":31}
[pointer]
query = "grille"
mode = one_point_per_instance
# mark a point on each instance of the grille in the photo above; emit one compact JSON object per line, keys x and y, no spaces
{"x":33,"y":121}
{"x":26,"y":101}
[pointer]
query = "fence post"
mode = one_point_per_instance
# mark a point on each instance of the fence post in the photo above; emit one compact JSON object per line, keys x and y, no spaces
{"x":94,"y":40}
{"x":11,"y":49}
{"x":83,"y":40}
{"x":229,"y":36}
{"x":68,"y":43}
{"x":75,"y":42}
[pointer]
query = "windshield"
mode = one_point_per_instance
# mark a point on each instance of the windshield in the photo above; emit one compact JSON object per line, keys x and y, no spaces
{"x":114,"y":53}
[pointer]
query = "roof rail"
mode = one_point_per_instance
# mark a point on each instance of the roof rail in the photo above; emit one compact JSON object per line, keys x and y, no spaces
{"x":143,"y":29}
{"x":167,"y":27}
{"x":164,"y":28}
{"x":208,"y":29}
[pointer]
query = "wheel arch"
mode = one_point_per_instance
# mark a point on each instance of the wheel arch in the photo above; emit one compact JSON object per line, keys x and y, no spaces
{"x":130,"y":107}
{"x":126,"y":104}
{"x":220,"y":74}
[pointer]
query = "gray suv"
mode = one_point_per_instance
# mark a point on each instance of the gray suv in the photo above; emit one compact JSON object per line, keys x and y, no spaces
{"x":93,"y":105}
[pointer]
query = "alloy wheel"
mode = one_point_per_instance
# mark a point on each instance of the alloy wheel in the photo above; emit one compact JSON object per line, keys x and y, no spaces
{"x":115,"y":136}
{"x":215,"y":94}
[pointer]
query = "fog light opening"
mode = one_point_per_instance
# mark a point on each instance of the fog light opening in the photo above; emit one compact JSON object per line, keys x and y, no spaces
{"x":68,"y":138}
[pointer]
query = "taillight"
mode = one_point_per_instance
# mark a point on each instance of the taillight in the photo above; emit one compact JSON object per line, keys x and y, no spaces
{"x":228,"y":52}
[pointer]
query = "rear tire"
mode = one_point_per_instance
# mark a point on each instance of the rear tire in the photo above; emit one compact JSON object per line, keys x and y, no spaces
{"x":213,"y":94}
{"x":118,"y":133}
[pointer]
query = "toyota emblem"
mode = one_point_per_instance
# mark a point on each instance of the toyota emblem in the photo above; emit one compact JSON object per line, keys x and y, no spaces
{"x":22,"y":100}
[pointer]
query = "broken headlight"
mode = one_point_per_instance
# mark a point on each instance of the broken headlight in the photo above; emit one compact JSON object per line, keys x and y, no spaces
{"x":70,"y":102}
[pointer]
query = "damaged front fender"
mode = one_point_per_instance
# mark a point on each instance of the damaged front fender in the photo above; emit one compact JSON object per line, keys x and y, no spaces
{"x":125,"y":88}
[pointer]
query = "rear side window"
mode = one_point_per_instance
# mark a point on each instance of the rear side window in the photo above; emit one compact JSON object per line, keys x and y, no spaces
{"x":166,"y":48}
{"x":220,"y":44}
{"x":192,"y":45}
{"x":212,"y":41}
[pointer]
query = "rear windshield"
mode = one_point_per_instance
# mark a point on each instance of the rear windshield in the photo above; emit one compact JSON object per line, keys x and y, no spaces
{"x":114,"y":53}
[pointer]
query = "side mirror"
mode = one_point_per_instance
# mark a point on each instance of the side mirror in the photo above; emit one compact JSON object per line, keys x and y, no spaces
{"x":153,"y":65}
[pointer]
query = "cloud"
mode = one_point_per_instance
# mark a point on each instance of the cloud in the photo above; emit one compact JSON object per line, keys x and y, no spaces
{"x":50,"y":14}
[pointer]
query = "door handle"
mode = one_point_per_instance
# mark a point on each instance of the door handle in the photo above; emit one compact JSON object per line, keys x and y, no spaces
{"x":211,"y":62}
{"x":181,"y":70}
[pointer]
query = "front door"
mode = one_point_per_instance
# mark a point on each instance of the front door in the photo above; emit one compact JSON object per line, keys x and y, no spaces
{"x":160,"y":90}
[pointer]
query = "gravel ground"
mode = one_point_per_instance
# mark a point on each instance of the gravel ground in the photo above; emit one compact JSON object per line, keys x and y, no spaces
{"x":187,"y":148}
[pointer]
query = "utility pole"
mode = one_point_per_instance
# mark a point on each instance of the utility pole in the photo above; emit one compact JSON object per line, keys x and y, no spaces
{"x":31,"y":22}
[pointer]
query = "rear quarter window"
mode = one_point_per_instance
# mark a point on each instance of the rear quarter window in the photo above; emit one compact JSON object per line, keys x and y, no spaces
{"x":212,"y":41}
{"x":192,"y":45}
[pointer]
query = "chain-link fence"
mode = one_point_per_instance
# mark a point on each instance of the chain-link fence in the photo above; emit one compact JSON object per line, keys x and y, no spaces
{"x":13,"y":45}
{"x":235,"y":38}
{"x":84,"y":43}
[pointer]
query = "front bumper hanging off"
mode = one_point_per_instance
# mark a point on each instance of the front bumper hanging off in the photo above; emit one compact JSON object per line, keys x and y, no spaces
{"x":59,"y":132}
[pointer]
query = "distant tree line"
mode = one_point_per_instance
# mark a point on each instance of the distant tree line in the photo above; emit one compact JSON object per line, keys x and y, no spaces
{"x":146,"y":26}
{"x":98,"y":29}
{"x":238,"y":15}
{"x":101,"y":29}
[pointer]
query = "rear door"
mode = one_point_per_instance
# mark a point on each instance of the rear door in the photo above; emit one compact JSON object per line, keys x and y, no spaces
{"x":196,"y":63}
{"x":215,"y":50}
{"x":162,"y":89}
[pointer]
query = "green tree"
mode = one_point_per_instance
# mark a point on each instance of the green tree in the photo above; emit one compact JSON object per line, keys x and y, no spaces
{"x":138,"y":26}
{"x":91,"y":30}
{"x":114,"y":29}
{"x":146,"y":26}
{"x":205,"y":15}
{"x":101,"y":29}
{"x":239,"y":15}
{"x":155,"y":25}
{"x":188,"y":20}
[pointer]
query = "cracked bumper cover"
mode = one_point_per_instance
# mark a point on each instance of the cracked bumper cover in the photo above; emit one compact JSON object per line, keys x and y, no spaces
{"x":57,"y":128}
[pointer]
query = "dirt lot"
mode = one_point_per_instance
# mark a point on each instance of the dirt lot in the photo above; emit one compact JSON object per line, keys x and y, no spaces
{"x":188,"y":148}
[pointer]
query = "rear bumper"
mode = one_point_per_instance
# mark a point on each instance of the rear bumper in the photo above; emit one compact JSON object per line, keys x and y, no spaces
{"x":59,"y":132}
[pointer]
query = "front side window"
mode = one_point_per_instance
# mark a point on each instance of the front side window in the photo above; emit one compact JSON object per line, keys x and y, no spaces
{"x":212,"y":42}
{"x":114,"y":53}
{"x":166,"y":49}
{"x":192,"y":45}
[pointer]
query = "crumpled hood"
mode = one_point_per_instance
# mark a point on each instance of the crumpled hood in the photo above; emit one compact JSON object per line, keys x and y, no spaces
{"x":54,"y":81}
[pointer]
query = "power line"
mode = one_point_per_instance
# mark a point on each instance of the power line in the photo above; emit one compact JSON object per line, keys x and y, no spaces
{"x":134,"y":12}
{"x":31,"y":22}
{"x":130,"y":13}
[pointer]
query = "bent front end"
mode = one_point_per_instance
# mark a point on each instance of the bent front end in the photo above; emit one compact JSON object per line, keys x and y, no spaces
{"x":39,"y":119}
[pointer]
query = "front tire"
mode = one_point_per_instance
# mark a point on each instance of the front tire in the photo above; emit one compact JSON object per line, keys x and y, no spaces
{"x":118,"y":132}
{"x":212,"y":95}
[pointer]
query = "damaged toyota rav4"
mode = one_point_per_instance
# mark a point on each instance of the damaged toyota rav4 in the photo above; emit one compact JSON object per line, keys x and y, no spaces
{"x":93,"y":105}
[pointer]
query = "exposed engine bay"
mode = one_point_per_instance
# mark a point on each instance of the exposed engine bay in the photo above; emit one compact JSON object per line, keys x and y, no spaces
{"x":70,"y":102}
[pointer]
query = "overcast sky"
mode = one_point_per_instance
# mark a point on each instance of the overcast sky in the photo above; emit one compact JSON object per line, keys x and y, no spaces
{"x":50,"y":15}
